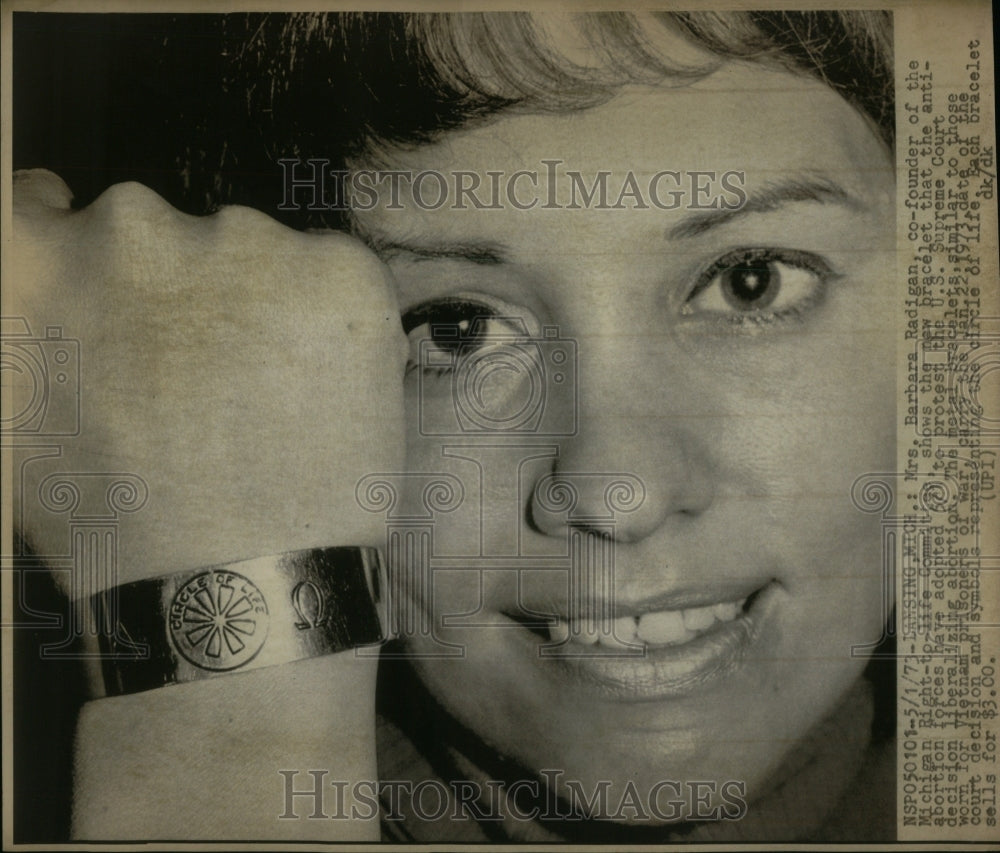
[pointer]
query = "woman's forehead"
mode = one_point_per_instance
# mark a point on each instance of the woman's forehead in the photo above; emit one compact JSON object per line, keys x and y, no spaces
{"x":764,"y":123}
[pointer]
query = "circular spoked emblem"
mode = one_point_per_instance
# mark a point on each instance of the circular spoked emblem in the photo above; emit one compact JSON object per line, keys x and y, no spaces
{"x":218,"y":620}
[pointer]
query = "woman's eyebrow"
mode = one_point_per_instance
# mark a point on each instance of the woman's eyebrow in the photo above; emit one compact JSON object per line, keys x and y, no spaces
{"x":485,"y":253}
{"x":770,"y":197}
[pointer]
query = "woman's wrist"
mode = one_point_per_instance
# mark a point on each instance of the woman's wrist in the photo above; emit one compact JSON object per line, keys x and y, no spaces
{"x":203,"y":760}
{"x":224,"y":682}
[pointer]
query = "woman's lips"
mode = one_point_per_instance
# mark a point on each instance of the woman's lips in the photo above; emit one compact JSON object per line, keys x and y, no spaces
{"x":651,"y":654}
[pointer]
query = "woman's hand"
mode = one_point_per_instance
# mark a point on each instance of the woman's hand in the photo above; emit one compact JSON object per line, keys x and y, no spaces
{"x":250,"y":375}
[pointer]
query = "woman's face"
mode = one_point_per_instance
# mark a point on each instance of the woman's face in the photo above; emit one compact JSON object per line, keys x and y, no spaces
{"x":734,"y":365}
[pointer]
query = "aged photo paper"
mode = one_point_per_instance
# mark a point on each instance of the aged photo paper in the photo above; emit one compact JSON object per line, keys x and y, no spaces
{"x":482,"y":425}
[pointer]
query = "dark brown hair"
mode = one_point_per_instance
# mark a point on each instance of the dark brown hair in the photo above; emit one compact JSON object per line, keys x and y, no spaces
{"x":200,"y":107}
{"x":342,"y":86}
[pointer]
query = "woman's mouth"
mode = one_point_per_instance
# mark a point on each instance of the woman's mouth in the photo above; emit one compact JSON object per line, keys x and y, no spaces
{"x":652,"y":652}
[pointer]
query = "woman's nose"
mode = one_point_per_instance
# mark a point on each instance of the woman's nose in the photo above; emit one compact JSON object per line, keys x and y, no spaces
{"x":638,"y":457}
{"x":612,"y":480}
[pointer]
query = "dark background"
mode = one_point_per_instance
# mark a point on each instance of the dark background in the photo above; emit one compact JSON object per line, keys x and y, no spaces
{"x":100,"y":99}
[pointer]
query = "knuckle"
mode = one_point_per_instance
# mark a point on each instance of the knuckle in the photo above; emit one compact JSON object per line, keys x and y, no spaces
{"x":249,"y":236}
{"x":133,"y":233}
{"x":239,"y":218}
{"x":126,"y":194}
{"x":129,"y":207}
{"x":39,"y":188}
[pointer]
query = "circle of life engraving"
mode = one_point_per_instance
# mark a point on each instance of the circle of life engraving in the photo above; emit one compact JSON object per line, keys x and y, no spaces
{"x":218,"y":620}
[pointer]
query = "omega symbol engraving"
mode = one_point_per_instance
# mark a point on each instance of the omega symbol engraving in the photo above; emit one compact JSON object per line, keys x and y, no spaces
{"x":308,"y":603}
{"x":218,"y":620}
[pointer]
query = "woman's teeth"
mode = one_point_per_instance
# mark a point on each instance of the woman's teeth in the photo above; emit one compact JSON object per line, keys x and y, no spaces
{"x":659,"y":628}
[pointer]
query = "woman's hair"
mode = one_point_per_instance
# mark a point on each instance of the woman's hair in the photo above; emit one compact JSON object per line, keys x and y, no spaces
{"x":346,"y":86}
{"x":201,"y":107}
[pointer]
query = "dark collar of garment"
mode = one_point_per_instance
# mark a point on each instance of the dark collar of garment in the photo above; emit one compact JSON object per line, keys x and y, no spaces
{"x":837,"y":785}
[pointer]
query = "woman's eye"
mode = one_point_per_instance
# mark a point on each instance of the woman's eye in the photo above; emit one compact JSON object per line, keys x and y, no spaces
{"x":444,"y":331}
{"x":759,"y":285}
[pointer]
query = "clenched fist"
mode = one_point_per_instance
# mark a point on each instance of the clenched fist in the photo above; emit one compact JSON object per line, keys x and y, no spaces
{"x":248,"y":373}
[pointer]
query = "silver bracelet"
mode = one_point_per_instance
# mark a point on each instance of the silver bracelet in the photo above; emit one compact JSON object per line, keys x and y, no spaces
{"x":236,"y":617}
